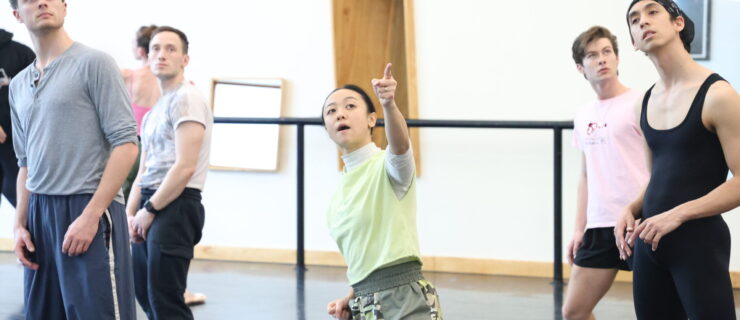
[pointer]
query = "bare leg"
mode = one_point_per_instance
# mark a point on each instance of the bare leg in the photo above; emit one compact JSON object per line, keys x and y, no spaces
{"x":586,"y":287}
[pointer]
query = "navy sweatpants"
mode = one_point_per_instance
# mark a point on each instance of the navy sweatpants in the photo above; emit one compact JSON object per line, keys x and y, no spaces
{"x":95,"y":285}
{"x":161,"y":263}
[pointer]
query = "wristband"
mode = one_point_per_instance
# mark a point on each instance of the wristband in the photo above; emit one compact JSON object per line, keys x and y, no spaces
{"x":149,"y":207}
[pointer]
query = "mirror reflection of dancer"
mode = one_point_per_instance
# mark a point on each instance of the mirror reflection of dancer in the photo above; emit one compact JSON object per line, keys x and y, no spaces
{"x":691,"y":121}
{"x":614,"y":170}
{"x":372,"y":216}
{"x":70,"y":230}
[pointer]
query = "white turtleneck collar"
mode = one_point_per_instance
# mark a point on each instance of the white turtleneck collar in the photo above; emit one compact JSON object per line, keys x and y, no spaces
{"x":355,"y":158}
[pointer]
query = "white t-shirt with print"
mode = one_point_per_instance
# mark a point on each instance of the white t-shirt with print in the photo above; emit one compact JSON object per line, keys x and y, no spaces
{"x":181,"y":105}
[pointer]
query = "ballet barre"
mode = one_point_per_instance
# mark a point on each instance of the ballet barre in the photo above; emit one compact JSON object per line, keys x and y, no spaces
{"x":556,"y":126}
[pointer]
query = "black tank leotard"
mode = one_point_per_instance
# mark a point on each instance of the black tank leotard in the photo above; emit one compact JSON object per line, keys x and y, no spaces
{"x":688,"y":275}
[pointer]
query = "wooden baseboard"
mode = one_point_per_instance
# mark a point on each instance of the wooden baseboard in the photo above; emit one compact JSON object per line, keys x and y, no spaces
{"x":287,"y":256}
{"x":431,"y":263}
{"x":501,"y":267}
{"x":6,"y":244}
{"x":439,"y":264}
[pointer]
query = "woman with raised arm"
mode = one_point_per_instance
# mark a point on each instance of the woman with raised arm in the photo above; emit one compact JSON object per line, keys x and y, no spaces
{"x":372,"y":216}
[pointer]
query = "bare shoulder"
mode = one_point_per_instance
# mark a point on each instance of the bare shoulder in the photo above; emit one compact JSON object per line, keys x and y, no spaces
{"x":143,"y":73}
{"x":127,"y":73}
{"x":722,"y":104}
{"x":721,"y":95}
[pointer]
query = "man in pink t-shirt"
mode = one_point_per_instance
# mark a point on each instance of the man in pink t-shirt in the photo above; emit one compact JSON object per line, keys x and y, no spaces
{"x":614,"y":169}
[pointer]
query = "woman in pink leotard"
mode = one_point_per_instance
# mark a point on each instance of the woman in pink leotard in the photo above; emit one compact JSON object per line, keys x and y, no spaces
{"x":141,"y":83}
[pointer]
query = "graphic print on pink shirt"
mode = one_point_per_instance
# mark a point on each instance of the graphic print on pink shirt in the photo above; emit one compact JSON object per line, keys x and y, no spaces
{"x":608,"y":134}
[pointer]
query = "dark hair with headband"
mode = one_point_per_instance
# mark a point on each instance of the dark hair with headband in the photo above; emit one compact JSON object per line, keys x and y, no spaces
{"x":687,"y":34}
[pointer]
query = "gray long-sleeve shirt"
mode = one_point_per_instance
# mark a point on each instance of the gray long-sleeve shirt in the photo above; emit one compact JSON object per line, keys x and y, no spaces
{"x":66,"y":126}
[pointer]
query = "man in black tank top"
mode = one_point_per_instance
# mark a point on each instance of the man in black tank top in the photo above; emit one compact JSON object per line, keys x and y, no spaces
{"x":691,"y":121}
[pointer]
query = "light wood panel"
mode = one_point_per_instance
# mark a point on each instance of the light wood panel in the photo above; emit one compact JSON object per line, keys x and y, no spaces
{"x":6,"y":244}
{"x":367,"y":35}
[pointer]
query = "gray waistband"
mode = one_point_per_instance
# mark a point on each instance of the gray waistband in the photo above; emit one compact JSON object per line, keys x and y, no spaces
{"x":389,"y":277}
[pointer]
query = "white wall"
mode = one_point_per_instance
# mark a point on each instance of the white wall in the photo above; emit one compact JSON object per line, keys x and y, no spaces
{"x":724,"y":45}
{"x":483,"y":193}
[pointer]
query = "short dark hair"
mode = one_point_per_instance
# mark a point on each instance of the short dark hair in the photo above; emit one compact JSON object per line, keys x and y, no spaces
{"x":355,"y":88}
{"x":592,"y":34}
{"x":143,"y":36}
{"x":183,"y":37}
{"x":14,"y":4}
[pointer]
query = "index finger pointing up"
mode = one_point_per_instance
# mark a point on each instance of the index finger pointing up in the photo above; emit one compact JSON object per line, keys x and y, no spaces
{"x":387,"y":73}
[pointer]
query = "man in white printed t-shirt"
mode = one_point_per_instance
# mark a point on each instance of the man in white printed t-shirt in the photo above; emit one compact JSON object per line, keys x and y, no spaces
{"x":165,"y":211}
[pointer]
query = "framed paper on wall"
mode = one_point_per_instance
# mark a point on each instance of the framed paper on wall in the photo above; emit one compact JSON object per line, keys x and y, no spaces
{"x":699,"y":12}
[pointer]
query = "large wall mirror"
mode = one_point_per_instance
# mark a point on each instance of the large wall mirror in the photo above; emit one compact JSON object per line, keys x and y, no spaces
{"x":245,"y":147}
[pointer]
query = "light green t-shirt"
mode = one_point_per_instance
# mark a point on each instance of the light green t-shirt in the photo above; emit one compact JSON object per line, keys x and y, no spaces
{"x":372,"y":227}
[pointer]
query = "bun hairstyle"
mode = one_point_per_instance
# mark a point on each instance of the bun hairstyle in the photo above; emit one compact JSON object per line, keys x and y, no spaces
{"x":143,"y":36}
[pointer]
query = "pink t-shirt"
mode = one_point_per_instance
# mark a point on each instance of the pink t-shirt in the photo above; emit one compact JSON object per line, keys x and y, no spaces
{"x":608,"y":134}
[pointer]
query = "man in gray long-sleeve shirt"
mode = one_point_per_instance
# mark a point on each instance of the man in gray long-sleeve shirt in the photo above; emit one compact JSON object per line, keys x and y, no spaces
{"x":75,"y":142}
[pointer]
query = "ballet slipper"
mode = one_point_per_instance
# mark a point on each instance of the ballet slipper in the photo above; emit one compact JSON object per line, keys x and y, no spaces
{"x":194,"y":299}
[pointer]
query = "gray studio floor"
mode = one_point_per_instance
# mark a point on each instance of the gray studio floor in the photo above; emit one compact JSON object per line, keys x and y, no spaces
{"x":272,"y":291}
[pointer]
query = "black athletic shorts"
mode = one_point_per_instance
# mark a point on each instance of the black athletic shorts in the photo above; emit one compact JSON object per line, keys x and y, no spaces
{"x":599,"y":250}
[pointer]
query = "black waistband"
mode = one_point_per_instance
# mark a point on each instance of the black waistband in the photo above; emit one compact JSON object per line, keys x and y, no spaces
{"x":190,"y":193}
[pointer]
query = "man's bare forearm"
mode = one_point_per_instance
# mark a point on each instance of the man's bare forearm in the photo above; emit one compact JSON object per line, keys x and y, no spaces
{"x":119,"y":164}
{"x":21,"y":197}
